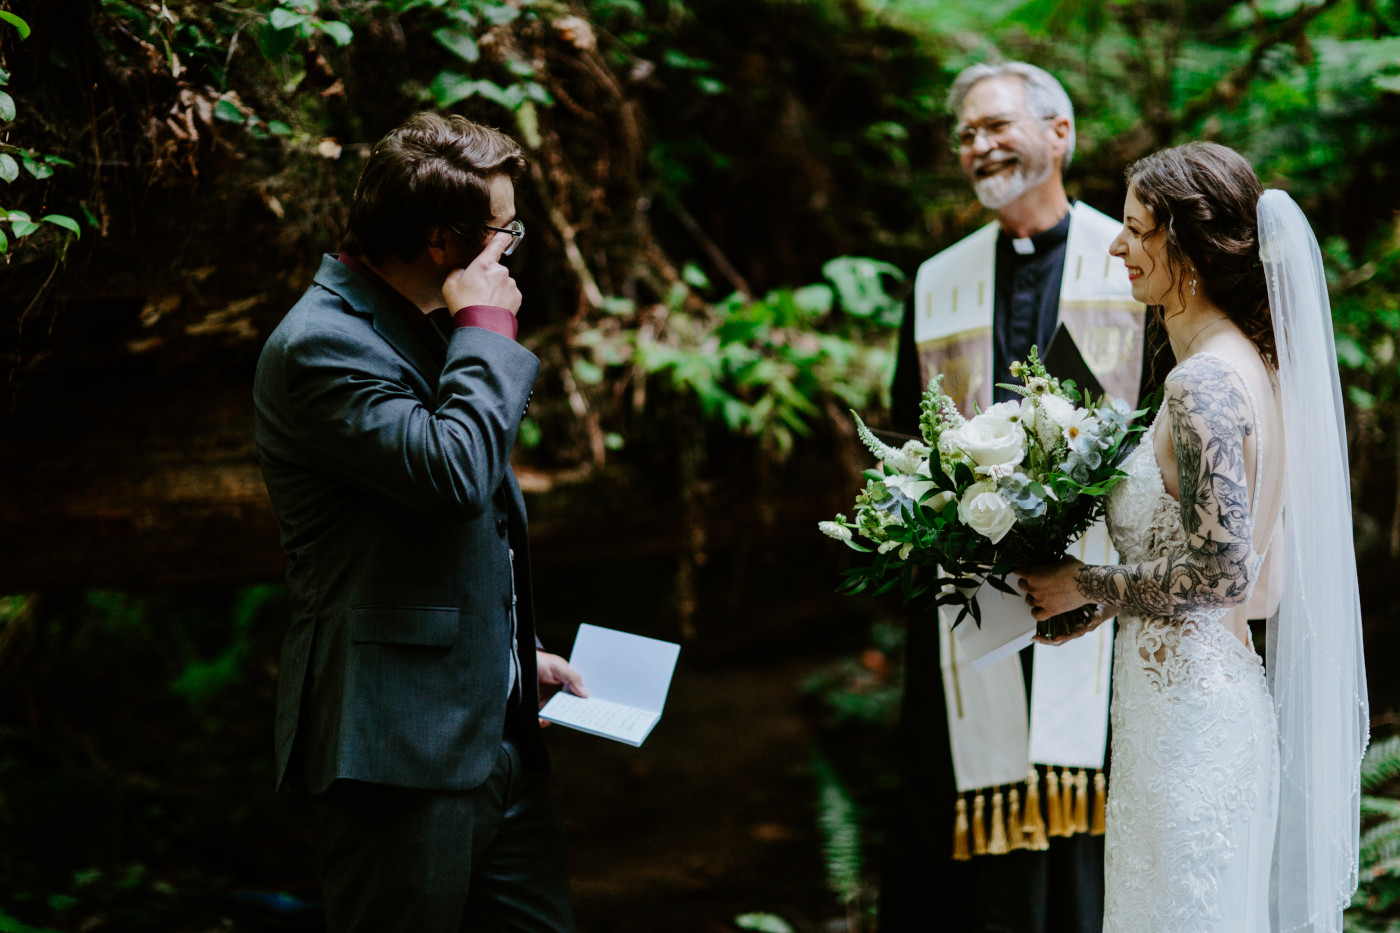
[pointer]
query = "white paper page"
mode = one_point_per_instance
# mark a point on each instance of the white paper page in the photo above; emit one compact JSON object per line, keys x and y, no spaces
{"x":1007,"y":627}
{"x":623,"y":668}
{"x":600,"y":717}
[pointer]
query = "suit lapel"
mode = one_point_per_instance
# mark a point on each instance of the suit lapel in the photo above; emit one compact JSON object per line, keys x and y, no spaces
{"x":368,"y":300}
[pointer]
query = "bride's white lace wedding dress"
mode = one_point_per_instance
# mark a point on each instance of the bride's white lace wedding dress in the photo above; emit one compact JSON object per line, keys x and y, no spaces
{"x":1193,"y":791}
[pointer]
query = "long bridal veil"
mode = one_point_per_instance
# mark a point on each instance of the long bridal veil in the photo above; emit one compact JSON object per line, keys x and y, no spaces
{"x":1316,"y":670}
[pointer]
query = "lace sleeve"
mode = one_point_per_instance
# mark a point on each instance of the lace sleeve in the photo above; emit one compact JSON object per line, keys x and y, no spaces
{"x":1209,"y":417}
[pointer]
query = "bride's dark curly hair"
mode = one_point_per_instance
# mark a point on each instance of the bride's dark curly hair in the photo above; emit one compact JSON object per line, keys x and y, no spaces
{"x":1203,"y":198}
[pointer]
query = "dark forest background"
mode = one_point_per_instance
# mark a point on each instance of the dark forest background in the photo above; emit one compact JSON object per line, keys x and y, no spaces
{"x":726,"y":199}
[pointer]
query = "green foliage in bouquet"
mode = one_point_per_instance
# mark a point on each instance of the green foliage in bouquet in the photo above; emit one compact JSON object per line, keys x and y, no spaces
{"x":973,"y":499}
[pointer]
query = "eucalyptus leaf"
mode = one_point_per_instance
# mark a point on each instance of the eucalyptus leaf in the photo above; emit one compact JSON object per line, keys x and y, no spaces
{"x":7,"y":107}
{"x":9,"y":168}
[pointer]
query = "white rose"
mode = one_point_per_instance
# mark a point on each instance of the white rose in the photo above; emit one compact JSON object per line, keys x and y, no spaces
{"x":991,"y":440}
{"x":984,"y":511}
{"x":938,"y":502}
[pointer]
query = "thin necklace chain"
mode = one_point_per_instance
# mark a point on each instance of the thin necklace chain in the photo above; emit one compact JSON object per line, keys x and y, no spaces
{"x":1201,"y":330}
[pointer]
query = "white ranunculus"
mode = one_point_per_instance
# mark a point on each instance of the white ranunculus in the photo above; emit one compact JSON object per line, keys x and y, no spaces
{"x":835,"y":530}
{"x":1012,"y":410}
{"x":991,"y":440}
{"x":984,"y":510}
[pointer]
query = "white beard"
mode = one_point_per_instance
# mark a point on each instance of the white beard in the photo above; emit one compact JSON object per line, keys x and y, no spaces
{"x":1002,"y":188}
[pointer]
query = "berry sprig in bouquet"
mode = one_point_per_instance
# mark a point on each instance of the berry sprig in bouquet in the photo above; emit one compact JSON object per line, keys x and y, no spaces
{"x":975,"y":498}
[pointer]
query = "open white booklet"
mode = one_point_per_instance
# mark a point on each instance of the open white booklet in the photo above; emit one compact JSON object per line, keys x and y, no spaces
{"x":627,"y":678}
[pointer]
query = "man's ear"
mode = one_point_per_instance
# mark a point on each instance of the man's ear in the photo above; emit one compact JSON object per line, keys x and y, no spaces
{"x":439,"y":244}
{"x":1059,"y":128}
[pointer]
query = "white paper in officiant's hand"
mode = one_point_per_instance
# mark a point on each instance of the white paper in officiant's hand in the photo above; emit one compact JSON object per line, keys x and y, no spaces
{"x":627,"y":678}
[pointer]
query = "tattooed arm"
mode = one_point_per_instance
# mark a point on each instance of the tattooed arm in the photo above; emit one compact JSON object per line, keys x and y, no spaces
{"x":1209,"y":417}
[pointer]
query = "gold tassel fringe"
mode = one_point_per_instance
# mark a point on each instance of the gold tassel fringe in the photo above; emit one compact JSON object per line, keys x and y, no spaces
{"x":1034,"y":823}
{"x":960,"y":852}
{"x":979,"y":827}
{"x":1015,"y":838}
{"x":1054,"y":811}
{"x":997,"y":844}
{"x":1081,"y":801}
{"x":1100,"y":804}
{"x":1067,"y":787}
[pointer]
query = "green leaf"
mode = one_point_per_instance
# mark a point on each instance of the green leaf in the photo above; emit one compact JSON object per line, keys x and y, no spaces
{"x":283,"y":18}
{"x":38,"y":169}
{"x":278,"y":128}
{"x":340,"y":33}
{"x":498,"y":14}
{"x":458,"y":43}
{"x":1387,"y":83}
{"x":22,"y":227}
{"x":694,"y":276}
{"x":16,"y":22}
{"x":228,"y":112}
{"x":4,"y":77}
{"x":9,"y":168}
{"x":7,"y":107}
{"x":763,"y":923}
{"x":64,"y":221}
{"x":4,"y":242}
{"x":57,"y":160}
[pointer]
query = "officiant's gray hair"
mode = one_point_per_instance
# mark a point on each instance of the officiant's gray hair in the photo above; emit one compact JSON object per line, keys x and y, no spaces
{"x":1045,"y":96}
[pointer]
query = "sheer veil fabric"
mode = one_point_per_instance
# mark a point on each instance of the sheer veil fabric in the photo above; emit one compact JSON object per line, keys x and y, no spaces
{"x":1315,"y":666}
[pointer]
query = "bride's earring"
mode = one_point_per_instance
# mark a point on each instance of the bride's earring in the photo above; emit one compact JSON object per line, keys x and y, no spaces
{"x":1193,"y":280}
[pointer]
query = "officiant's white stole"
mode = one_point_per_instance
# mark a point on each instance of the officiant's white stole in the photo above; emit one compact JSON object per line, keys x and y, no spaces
{"x":995,"y":742}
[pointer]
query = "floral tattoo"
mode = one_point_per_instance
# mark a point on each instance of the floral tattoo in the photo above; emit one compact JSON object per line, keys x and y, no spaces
{"x":1209,"y":419}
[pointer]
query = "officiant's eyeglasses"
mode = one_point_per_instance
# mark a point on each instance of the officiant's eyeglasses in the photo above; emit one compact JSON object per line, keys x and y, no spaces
{"x":517,"y":233}
{"x":964,"y":138}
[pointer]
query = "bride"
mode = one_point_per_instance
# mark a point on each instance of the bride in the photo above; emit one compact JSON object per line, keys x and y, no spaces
{"x":1233,"y":798}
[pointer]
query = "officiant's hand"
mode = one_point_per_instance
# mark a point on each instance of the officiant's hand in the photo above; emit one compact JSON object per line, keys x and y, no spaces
{"x":554,"y":671}
{"x":1052,"y":589}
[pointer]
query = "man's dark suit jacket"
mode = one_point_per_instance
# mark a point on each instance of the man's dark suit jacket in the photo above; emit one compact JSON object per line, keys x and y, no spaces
{"x":390,"y":474}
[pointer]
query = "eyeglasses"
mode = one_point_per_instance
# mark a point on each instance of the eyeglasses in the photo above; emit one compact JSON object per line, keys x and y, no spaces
{"x":965,"y":138}
{"x":515,"y":228}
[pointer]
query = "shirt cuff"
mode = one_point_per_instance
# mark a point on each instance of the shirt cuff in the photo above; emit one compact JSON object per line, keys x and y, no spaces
{"x":490,"y":317}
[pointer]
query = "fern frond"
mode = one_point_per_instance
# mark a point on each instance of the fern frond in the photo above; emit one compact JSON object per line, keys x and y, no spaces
{"x":1381,"y":764}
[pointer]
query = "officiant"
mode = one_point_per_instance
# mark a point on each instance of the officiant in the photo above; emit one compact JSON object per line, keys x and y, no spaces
{"x":997,"y":828}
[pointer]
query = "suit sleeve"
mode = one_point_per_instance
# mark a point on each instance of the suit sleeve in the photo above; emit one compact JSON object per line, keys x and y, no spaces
{"x":364,"y":424}
{"x":906,"y":391}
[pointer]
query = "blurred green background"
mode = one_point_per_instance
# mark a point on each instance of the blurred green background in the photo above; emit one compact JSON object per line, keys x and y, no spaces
{"x":725,"y":204}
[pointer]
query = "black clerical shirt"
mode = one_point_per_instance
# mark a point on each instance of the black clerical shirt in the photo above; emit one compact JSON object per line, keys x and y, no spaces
{"x":1026,"y":300}
{"x":1025,"y":310}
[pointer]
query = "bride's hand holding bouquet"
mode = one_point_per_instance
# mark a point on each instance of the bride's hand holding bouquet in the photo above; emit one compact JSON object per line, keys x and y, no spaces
{"x":975,"y":499}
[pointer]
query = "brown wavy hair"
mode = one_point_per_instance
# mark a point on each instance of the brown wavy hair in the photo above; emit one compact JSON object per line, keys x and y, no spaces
{"x":1204,"y":199}
{"x":430,"y":171}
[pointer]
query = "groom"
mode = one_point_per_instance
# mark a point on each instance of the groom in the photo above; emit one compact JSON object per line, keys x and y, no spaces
{"x":408,"y":691}
{"x":978,"y":306}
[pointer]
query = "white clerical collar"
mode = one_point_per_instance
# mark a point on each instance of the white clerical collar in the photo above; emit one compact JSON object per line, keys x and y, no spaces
{"x":1023,"y":245}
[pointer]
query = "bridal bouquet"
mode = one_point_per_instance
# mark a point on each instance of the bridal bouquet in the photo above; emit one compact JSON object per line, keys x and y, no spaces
{"x":974,"y":499}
